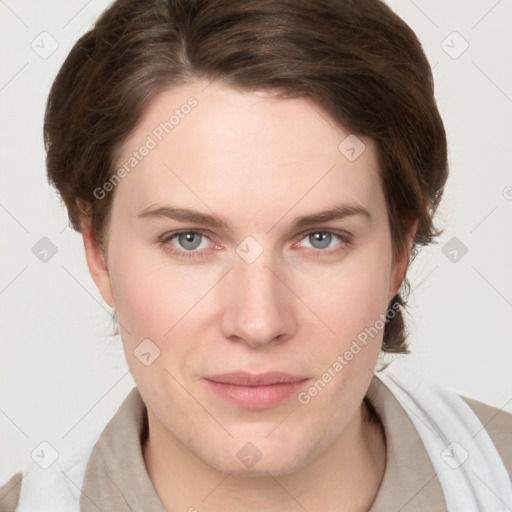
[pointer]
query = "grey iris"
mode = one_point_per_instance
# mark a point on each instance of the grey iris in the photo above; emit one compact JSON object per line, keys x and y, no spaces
{"x":190,"y":240}
{"x":321,"y":239}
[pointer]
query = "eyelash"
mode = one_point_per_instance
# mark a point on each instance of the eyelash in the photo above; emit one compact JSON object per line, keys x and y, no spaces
{"x":165,"y":239}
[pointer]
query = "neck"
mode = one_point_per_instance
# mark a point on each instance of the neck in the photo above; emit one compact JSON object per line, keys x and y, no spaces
{"x":345,"y":477}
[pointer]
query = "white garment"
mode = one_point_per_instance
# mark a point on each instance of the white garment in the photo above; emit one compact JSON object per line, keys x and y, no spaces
{"x":57,"y":488}
{"x":472,"y":475}
{"x":470,"y":470}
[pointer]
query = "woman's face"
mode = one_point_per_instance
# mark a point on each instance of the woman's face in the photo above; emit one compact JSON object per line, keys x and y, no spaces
{"x":250,"y":286}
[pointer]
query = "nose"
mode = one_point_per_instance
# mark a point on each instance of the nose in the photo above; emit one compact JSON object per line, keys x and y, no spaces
{"x":258,"y":311}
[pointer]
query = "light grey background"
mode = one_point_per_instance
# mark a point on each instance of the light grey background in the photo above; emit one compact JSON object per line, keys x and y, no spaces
{"x":62,"y":376}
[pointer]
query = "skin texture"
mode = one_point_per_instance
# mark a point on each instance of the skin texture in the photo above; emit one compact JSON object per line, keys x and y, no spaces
{"x":258,"y":162}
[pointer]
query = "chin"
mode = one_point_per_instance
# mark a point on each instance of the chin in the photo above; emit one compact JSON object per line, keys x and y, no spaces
{"x":258,"y":457}
{"x":275,"y":466}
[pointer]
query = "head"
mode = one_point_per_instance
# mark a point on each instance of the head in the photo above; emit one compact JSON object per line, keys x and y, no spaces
{"x":256,"y":115}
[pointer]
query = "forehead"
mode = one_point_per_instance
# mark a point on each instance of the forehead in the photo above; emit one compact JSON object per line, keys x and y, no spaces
{"x":215,"y":112}
{"x":211,"y":141}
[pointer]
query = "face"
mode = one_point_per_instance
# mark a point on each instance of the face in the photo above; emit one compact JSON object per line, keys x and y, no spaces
{"x":245,"y":314}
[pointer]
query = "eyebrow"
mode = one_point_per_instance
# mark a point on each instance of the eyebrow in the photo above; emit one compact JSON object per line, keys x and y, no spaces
{"x":184,"y":214}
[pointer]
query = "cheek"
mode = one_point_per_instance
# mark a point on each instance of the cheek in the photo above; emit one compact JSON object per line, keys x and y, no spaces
{"x":349,"y":297}
{"x":152,"y":299}
{"x":158,"y":303}
{"x":352,"y":305}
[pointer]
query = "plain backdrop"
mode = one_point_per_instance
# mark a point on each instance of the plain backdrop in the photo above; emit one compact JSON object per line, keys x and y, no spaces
{"x":62,"y":376}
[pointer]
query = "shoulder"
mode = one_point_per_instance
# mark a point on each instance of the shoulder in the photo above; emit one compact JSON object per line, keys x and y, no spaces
{"x":498,"y":424}
{"x":10,"y":493}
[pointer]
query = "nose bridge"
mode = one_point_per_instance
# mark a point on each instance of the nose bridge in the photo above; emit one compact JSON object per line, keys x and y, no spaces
{"x":258,"y":312}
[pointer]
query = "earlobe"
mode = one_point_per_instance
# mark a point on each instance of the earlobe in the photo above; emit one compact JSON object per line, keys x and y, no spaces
{"x":96,"y":261}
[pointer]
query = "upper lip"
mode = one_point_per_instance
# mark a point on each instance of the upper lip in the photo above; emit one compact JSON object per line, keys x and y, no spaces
{"x":242,"y":378}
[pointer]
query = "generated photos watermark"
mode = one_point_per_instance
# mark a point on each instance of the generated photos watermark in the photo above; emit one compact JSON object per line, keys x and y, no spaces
{"x":361,"y":341}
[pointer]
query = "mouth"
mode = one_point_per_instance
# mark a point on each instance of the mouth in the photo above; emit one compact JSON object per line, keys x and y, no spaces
{"x":256,"y":391}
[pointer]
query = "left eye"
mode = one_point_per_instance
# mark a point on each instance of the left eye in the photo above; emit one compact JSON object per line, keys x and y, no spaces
{"x":189,"y":240}
{"x":321,"y":239}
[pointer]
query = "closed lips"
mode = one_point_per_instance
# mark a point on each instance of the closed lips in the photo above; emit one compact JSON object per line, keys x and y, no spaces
{"x":263,"y":379}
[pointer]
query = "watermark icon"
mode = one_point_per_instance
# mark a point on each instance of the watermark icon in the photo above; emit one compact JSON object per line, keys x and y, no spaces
{"x":507,"y":193}
{"x":351,"y":147}
{"x":44,"y":455}
{"x":361,"y":341}
{"x":249,"y":455}
{"x":454,"y":249}
{"x":44,"y":45}
{"x":454,"y":45}
{"x":454,"y":455}
{"x":44,"y":250}
{"x":151,"y":142}
{"x":146,"y":352}
{"x":249,"y":249}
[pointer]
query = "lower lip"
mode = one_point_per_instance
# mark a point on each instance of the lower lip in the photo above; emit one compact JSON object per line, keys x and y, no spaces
{"x":257,"y":397}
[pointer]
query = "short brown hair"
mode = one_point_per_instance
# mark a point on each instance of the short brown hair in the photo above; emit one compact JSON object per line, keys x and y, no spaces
{"x":355,"y":59}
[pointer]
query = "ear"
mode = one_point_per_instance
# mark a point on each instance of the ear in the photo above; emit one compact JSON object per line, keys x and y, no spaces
{"x":96,"y":261}
{"x":402,"y":261}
